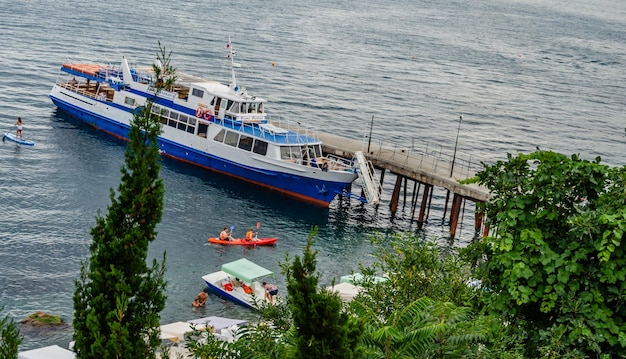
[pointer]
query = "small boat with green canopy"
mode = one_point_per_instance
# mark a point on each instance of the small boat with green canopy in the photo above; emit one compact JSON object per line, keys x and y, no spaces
{"x":239,"y":281}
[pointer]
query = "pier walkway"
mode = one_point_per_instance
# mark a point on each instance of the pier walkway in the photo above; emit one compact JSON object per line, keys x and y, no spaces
{"x":432,"y":169}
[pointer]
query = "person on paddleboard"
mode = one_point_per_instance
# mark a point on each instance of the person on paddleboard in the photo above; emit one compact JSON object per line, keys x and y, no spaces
{"x":18,"y":128}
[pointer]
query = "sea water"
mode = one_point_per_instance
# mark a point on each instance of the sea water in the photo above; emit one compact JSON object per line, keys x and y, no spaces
{"x":524,"y":74}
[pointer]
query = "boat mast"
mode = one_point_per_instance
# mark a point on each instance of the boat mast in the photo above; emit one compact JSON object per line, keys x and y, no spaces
{"x":231,"y":55}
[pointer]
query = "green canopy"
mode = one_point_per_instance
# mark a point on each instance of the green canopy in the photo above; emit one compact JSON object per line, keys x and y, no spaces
{"x":245,"y":270}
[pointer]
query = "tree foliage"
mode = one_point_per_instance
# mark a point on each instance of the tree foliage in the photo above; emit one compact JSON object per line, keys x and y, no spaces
{"x":424,"y":308}
{"x":555,"y":262}
{"x":10,"y":338}
{"x":415,"y":268}
{"x":322,"y":328}
{"x":118,"y":297}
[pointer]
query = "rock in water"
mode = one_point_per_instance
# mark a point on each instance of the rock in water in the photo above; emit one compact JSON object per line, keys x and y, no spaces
{"x":40,"y":319}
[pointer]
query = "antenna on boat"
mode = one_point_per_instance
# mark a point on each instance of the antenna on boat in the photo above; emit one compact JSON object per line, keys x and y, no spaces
{"x":231,"y":55}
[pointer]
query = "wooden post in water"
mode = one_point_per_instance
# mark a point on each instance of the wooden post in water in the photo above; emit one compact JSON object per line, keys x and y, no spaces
{"x":445,"y":206}
{"x":413,"y":199}
{"x":404,"y":202}
{"x":454,"y":213}
{"x":425,"y":195}
{"x":430,"y":200}
{"x":393,"y":206}
{"x":478,"y":221}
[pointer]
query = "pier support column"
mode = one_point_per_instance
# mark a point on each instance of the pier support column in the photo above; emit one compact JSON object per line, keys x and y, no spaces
{"x":454,"y":213}
{"x":424,"y":205}
{"x":393,"y":206}
{"x":478,"y":222}
{"x":445,"y":205}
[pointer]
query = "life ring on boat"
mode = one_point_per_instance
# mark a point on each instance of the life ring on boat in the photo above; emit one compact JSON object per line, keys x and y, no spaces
{"x":208,"y":115}
{"x":199,"y":112}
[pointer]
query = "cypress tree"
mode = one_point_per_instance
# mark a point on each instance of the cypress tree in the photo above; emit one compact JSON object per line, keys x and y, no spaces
{"x":118,"y":297}
{"x":323,"y":328}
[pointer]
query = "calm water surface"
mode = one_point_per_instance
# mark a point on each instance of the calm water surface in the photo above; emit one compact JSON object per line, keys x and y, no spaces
{"x":524,"y":74}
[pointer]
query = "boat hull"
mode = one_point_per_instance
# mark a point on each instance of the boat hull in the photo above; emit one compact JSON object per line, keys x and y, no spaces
{"x":214,"y":283}
{"x":244,"y":242}
{"x":115,"y":120}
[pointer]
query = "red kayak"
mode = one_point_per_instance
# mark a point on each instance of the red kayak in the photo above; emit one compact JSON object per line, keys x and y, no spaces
{"x":243,"y":242}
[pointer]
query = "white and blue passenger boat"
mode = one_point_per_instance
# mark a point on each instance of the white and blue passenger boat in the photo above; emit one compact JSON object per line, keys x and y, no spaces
{"x":215,"y":126}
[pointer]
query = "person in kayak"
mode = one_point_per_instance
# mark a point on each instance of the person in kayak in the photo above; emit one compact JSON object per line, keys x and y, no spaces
{"x":225,"y":235}
{"x":251,"y":235}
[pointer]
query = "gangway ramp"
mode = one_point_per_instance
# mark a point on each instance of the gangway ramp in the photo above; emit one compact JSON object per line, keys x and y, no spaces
{"x":369,"y":183}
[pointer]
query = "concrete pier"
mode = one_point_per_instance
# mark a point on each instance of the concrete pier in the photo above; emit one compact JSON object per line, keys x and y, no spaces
{"x":427,"y":170}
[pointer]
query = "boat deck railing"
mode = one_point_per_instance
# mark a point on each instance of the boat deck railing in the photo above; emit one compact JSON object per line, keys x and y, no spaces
{"x":336,"y":163}
{"x":282,"y":132}
{"x":101,"y":93}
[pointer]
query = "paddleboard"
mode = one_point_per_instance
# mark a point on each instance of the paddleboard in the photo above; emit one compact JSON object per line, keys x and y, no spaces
{"x":21,"y":141}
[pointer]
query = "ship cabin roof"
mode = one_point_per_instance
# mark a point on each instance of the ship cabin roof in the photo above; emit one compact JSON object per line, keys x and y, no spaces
{"x":270,"y":133}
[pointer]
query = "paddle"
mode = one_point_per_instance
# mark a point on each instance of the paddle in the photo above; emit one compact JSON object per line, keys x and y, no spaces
{"x":258,"y":225}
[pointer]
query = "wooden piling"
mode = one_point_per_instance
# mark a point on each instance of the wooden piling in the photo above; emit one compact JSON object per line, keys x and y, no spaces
{"x":454,"y":213}
{"x":393,"y":206}
{"x":478,"y":221}
{"x":425,"y":195}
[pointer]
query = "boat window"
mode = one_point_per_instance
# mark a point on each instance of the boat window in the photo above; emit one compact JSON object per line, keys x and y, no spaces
{"x":220,"y":136}
{"x":172,"y":123}
{"x":309,"y":151}
{"x":260,"y":108}
{"x":174,"y":115}
{"x":202,"y":129}
{"x":231,"y":138}
{"x":260,"y":147}
{"x":197,"y":93}
{"x":165,"y":113}
{"x":284,"y":153}
{"x":129,"y":101}
{"x":192,"y":121}
{"x":295,"y":152}
{"x":245,"y":142}
{"x":182,"y":118}
{"x":229,"y":105}
{"x":318,"y":150}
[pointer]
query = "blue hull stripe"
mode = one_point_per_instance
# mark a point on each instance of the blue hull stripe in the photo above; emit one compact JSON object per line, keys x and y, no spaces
{"x":311,"y":190}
